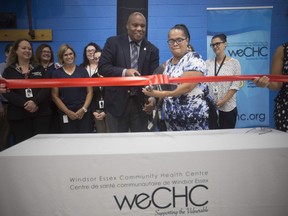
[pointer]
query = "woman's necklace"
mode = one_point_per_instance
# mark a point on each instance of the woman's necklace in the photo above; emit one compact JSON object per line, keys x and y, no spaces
{"x":24,"y":69}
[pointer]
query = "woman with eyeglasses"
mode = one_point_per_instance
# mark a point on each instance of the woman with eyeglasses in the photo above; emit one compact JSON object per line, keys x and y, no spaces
{"x":91,"y":56}
{"x":45,"y":57}
{"x":224,"y":93}
{"x":185,"y":105}
{"x":90,"y":62}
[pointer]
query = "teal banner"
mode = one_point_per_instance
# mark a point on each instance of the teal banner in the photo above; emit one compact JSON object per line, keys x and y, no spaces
{"x":248,"y":37}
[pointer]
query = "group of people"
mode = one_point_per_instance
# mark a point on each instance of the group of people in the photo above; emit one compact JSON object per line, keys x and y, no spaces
{"x":43,"y":110}
{"x":185,"y":106}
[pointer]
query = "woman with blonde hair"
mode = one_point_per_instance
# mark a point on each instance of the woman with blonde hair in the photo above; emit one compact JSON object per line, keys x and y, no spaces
{"x":74,"y":102}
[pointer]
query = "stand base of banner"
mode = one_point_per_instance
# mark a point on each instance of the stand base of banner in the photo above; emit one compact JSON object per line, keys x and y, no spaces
{"x":218,"y":172}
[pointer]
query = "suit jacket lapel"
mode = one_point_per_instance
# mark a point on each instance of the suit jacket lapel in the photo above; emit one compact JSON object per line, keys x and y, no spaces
{"x":126,"y":50}
{"x":142,"y":55}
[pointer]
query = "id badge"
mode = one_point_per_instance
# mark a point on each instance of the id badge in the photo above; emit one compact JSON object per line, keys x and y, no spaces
{"x":29,"y":93}
{"x":215,"y":90}
{"x":101,"y":104}
{"x":160,"y":114}
{"x":150,"y":126}
{"x":65,"y":119}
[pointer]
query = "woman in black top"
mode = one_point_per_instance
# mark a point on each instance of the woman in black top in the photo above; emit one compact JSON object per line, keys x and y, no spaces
{"x":279,"y":66}
{"x":28,"y":109}
{"x":91,"y":56}
{"x":98,"y":107}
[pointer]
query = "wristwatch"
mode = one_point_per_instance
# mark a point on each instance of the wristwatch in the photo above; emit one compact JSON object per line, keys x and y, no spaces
{"x":84,"y":109}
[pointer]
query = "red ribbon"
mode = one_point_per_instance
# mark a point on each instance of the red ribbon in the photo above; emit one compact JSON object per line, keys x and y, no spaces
{"x":128,"y":81}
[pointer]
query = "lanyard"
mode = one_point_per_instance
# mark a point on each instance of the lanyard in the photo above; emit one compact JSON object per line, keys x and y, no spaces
{"x":93,"y":72}
{"x":19,"y":69}
{"x":100,"y":87}
{"x":216,"y":72}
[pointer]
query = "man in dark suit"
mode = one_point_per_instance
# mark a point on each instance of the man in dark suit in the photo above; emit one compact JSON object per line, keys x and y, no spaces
{"x":124,"y":105}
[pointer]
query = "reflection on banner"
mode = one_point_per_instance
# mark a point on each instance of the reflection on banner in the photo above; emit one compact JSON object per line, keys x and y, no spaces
{"x":248,"y":34}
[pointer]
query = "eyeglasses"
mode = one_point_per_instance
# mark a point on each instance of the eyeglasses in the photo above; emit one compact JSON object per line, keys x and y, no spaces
{"x":90,"y":50}
{"x":46,"y":51}
{"x":216,"y":44}
{"x":178,"y":41}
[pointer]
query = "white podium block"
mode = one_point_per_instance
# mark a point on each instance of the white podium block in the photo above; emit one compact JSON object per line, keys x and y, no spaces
{"x":218,"y":172}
